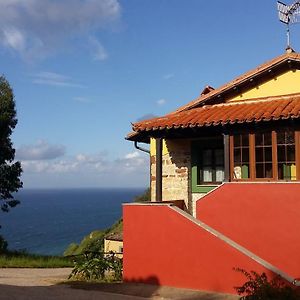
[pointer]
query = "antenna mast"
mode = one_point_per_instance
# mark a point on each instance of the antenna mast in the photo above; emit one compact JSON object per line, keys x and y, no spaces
{"x":288,"y":14}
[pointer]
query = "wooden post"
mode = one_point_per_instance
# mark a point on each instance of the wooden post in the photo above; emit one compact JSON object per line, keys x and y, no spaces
{"x":158,"y":170}
{"x":226,"y":158}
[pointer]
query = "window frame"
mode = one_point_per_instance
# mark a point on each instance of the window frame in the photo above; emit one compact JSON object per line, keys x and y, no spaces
{"x":252,"y":158}
{"x":197,"y":146}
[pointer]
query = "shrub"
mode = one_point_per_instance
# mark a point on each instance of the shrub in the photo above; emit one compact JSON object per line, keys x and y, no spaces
{"x":97,"y":266}
{"x":260,"y":287}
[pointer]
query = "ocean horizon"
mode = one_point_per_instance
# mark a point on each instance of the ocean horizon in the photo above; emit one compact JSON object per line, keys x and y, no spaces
{"x":48,"y":220}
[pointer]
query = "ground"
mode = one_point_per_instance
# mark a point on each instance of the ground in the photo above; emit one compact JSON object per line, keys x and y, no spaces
{"x":50,"y":284}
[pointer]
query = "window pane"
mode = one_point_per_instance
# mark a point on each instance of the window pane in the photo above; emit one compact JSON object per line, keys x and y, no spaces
{"x":219,"y":174}
{"x":207,"y":175}
{"x":245,"y":140}
{"x":267,"y":138}
{"x":268,"y":170}
{"x":237,"y":172}
{"x":286,"y":171}
{"x":280,"y":137}
{"x":290,"y":137}
{"x":260,"y":170}
{"x":258,"y":139}
{"x":290,"y":151}
{"x":280,"y":171}
{"x":219,"y":157}
{"x":268,"y":154}
{"x":245,"y":171}
{"x":281,"y":153}
{"x":293,"y":172}
{"x":245,"y":154}
{"x":237,"y":155}
{"x":237,"y":140}
{"x":259,"y":155}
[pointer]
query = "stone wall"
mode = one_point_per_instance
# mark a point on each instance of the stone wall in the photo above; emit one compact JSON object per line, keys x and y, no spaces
{"x":176,"y":172}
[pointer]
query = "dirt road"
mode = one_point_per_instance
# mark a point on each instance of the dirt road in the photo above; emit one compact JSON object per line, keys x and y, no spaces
{"x":46,"y":284}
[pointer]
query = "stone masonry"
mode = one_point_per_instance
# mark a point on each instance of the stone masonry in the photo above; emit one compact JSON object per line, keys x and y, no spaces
{"x":176,"y":172}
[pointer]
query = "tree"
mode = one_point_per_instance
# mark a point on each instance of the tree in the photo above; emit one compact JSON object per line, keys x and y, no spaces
{"x":10,"y":171}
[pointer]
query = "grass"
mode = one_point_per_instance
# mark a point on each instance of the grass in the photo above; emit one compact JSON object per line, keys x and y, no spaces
{"x":25,"y":260}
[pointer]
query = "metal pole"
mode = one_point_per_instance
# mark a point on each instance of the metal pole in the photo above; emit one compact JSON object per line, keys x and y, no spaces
{"x":158,"y":169}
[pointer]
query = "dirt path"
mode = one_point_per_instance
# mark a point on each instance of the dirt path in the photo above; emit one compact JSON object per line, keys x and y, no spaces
{"x":40,"y":284}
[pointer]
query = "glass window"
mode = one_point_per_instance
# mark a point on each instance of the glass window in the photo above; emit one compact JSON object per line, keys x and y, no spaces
{"x":241,"y":156}
{"x":286,"y":155}
{"x":263,"y":155}
{"x":211,"y":168}
{"x":265,"y":146}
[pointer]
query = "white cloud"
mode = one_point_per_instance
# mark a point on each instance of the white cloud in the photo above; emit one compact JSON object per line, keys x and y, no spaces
{"x":40,"y":151}
{"x":34,"y":28}
{"x":161,"y":101}
{"x":131,"y":155}
{"x":168,"y":76}
{"x":97,"y":49}
{"x":55,"y":79}
{"x":33,"y":162}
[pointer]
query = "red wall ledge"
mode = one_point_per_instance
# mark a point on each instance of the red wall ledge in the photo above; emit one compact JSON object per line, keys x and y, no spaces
{"x":165,"y":246}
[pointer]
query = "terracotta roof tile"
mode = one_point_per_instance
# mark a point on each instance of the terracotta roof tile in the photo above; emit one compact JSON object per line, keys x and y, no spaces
{"x":263,"y":109}
{"x":237,"y":81}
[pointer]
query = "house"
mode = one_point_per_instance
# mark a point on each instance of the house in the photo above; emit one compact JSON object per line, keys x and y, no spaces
{"x":114,"y":243}
{"x":233,"y":156}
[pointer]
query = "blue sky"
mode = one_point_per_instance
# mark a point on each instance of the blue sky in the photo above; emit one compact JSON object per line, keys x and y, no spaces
{"x":82,"y":70}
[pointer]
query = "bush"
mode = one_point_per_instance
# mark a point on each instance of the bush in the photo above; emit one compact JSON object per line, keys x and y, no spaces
{"x":260,"y":287}
{"x":97,"y":266}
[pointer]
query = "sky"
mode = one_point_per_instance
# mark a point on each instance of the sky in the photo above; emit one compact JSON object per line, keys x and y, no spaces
{"x":83,"y":70}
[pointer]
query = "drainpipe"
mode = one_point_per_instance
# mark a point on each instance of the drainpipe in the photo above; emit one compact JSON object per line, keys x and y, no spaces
{"x":140,"y":148}
{"x":158,"y":170}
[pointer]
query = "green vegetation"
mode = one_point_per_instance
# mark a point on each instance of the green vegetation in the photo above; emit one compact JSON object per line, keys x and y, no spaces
{"x":10,"y":171}
{"x":260,"y":287}
{"x":25,"y":260}
{"x":145,"y":197}
{"x":97,"y":267}
{"x":94,"y":242}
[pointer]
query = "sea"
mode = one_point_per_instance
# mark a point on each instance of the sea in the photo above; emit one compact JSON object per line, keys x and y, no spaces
{"x":48,"y":220}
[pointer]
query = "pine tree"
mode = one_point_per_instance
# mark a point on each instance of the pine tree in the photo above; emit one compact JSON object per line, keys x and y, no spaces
{"x":10,"y":171}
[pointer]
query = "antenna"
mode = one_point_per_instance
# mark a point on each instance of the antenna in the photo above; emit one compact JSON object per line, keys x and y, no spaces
{"x":288,"y":14}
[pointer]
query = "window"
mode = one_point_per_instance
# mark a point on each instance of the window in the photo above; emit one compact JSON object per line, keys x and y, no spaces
{"x":241,"y":156}
{"x":211,"y":168}
{"x":207,"y":161}
{"x":286,"y":155}
{"x":264,"y":155}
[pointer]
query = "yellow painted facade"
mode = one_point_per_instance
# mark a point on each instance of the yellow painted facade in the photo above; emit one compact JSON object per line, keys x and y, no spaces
{"x":153,"y":147}
{"x":286,"y":83}
{"x":113,"y":246}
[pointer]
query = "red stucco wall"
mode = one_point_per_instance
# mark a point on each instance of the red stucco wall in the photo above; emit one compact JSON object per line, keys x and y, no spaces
{"x":163,"y":247}
{"x":262,"y":217}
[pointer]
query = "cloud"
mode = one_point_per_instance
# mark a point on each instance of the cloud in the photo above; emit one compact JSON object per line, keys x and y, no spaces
{"x":168,"y":76}
{"x":146,"y":117}
{"x":54,"y":79}
{"x":98,"y":51}
{"x":35,"y":29}
{"x":161,"y":101}
{"x":85,"y":164}
{"x":40,"y":151}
